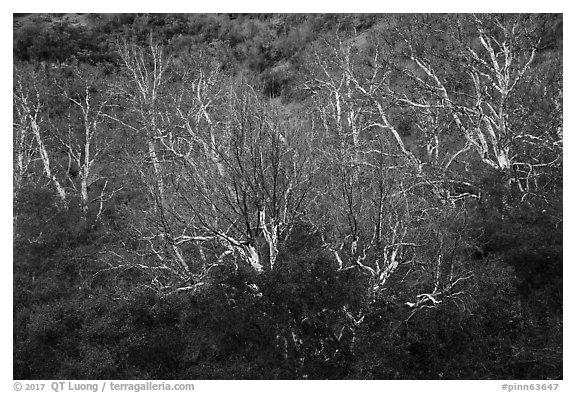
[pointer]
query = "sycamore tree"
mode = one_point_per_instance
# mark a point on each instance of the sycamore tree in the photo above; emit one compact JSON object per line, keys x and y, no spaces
{"x":139,"y":92}
{"x":61,"y":133}
{"x":228,"y":174}
{"x":245,"y":171}
{"x":31,"y":131}
{"x":423,"y":107}
{"x":84,"y":132}
{"x":379,"y":192}
{"x":475,"y":86}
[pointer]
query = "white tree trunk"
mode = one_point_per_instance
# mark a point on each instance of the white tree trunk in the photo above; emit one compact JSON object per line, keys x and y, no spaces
{"x":251,"y":255}
{"x":46,"y":160}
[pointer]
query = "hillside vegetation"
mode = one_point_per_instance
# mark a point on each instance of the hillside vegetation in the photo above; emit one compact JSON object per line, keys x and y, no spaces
{"x":302,"y":196}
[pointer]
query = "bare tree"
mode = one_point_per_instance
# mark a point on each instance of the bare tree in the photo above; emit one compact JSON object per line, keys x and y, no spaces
{"x":85,"y":140}
{"x":376,"y":192}
{"x":360,"y":213}
{"x":229,"y":173}
{"x":143,"y":91}
{"x":243,"y":169}
{"x":474,"y":82}
{"x":24,"y":148}
{"x":31,"y":122}
{"x":146,"y":72}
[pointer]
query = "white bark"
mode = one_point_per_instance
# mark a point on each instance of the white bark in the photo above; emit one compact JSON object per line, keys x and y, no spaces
{"x":84,"y":149}
{"x":270,"y":235}
{"x":30,"y":112}
{"x":494,"y":72}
